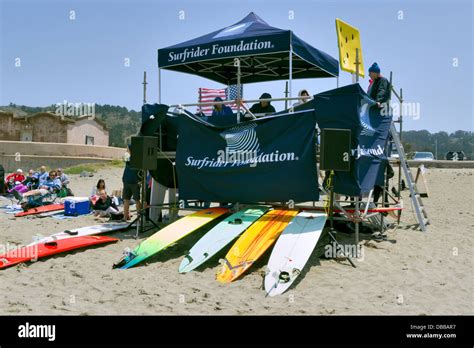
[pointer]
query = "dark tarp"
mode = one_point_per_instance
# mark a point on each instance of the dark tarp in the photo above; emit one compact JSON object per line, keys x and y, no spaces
{"x":271,"y":159}
{"x":346,"y":107}
{"x":263,"y":51}
{"x":349,"y":107}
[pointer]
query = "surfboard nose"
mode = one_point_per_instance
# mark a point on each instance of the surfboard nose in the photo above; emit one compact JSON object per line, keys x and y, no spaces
{"x":184,"y":267}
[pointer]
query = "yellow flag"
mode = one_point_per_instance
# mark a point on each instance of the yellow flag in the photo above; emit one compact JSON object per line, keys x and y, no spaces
{"x":348,"y":39}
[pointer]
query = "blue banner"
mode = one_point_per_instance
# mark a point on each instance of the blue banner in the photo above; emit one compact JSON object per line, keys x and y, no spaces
{"x":271,"y":159}
{"x":349,"y":107}
{"x":372,"y":144}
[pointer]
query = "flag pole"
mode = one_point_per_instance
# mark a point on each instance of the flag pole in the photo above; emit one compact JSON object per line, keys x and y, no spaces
{"x":239,"y":97}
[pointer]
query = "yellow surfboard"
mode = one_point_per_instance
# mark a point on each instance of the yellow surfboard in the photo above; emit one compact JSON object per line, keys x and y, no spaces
{"x":253,"y":243}
{"x":169,"y":235}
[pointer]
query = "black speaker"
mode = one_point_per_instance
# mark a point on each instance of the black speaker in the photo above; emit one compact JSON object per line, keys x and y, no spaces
{"x":143,"y":152}
{"x":335,"y":153}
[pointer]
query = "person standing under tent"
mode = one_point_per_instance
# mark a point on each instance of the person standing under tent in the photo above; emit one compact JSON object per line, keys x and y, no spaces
{"x":131,"y":188}
{"x":263,"y":107}
{"x":379,"y":87}
{"x":222,"y":115}
{"x":304,"y":97}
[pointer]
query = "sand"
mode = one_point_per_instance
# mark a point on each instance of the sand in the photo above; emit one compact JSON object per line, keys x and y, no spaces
{"x":414,"y":273}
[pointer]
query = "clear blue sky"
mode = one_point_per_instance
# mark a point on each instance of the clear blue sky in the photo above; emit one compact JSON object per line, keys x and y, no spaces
{"x":82,"y":60}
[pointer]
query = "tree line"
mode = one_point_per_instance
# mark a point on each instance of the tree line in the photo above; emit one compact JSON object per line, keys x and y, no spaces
{"x":123,"y":123}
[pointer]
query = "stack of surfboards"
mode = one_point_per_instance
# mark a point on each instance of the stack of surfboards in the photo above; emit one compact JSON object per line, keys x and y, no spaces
{"x":253,"y":230}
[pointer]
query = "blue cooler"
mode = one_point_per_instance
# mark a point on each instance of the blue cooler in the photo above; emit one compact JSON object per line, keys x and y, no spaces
{"x":74,"y":206}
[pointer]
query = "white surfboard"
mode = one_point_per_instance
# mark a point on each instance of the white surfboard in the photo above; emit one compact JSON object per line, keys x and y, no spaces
{"x":292,"y":250}
{"x":83,"y":231}
{"x":50,"y":213}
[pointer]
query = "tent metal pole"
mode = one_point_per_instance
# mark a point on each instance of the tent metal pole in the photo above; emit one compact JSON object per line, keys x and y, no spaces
{"x":159,"y":86}
{"x":239,"y":73}
{"x":156,"y":190}
{"x":357,"y":66}
{"x":400,"y":122}
{"x":357,"y":217}
{"x":144,"y":87}
{"x":290,"y":82}
{"x":286,"y":95}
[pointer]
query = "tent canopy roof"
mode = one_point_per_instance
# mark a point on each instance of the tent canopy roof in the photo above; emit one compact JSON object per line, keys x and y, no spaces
{"x":263,"y":51}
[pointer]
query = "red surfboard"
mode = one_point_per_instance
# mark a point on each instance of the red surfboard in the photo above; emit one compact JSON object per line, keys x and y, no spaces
{"x":34,"y":252}
{"x":42,"y":209}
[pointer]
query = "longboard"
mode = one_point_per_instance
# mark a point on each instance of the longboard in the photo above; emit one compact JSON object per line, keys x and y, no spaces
{"x":37,"y":251}
{"x":84,"y":231}
{"x":41,"y":209}
{"x":169,"y":235}
{"x":292,"y":251}
{"x":253,"y":243}
{"x":50,"y":213}
{"x":219,"y":236}
{"x":372,"y":210}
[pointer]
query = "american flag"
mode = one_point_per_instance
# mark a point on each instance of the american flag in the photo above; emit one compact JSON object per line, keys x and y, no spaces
{"x":208,"y":94}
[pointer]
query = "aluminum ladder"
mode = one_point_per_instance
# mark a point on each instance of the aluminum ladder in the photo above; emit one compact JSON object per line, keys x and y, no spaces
{"x":420,"y":209}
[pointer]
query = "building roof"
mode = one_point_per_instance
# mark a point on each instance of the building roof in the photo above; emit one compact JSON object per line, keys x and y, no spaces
{"x":23,"y":116}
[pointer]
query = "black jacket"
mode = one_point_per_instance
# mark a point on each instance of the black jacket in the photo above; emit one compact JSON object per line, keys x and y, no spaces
{"x":100,"y":205}
{"x":380,"y":90}
{"x":258,"y":109}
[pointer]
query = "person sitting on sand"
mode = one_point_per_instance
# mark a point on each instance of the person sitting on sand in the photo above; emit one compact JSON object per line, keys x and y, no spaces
{"x":19,"y":187}
{"x":31,"y":180}
{"x":63,"y":178}
{"x":104,"y":206}
{"x":13,"y":178}
{"x":52,"y":183}
{"x":43,"y":175}
{"x":96,"y":190}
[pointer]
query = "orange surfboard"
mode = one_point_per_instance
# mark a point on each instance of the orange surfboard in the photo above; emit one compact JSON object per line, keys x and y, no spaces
{"x":253,"y":243}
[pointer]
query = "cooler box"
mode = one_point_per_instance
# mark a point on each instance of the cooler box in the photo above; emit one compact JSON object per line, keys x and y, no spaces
{"x":75,"y":206}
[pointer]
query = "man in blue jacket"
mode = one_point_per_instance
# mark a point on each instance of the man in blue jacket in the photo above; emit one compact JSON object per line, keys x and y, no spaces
{"x":222,"y":115}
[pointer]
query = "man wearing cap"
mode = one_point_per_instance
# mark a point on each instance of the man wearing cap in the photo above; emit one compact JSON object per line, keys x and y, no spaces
{"x":379,"y":87}
{"x":263,"y":107}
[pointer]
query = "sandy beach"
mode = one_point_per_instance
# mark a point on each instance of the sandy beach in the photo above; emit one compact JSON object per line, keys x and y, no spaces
{"x":413,"y":273}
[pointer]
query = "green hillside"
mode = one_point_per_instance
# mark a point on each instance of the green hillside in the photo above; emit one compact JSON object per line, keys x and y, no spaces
{"x":123,"y":123}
